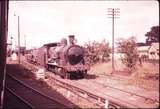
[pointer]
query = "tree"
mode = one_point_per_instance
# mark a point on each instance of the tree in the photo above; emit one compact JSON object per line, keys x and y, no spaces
{"x":96,"y":51}
{"x":152,"y":35}
{"x":129,"y":50}
{"x":104,"y":49}
{"x":91,"y":54}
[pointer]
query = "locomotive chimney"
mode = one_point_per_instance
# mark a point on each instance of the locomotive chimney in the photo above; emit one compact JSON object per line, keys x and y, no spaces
{"x":71,"y":39}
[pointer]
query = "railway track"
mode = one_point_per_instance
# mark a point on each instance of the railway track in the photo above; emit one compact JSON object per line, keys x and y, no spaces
{"x":13,"y":100}
{"x":117,"y":98}
{"x":33,"y":98}
{"x":82,"y":88}
{"x":133,"y":98}
{"x":114,"y":77}
{"x":126,"y":90}
{"x":129,"y":92}
{"x":84,"y":93}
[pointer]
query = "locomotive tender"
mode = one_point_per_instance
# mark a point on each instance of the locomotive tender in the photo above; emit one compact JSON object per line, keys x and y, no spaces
{"x":60,"y":58}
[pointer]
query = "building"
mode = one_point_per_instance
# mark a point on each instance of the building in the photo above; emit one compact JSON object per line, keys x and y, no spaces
{"x":153,"y":52}
{"x":143,"y":51}
{"x":150,"y":52}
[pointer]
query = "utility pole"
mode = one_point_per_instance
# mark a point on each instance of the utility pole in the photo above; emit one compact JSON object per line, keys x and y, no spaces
{"x":113,"y":13}
{"x":18,"y":41}
{"x":18,"y":38}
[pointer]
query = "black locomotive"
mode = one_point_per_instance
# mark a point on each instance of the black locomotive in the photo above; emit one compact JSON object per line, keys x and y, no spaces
{"x":60,"y":58}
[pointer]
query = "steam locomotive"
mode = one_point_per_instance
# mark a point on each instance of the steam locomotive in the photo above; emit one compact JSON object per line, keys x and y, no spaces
{"x":65,"y":61}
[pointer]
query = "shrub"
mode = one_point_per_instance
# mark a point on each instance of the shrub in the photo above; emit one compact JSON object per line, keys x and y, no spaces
{"x":129,"y":50}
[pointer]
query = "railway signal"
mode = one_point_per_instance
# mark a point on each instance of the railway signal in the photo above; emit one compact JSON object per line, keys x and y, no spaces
{"x":113,"y":13}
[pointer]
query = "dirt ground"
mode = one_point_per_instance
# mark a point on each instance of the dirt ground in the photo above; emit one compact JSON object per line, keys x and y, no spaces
{"x":145,"y":76}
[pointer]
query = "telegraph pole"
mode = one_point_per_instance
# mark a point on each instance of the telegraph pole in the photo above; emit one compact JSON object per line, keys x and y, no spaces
{"x":18,"y":38}
{"x":113,"y":13}
{"x":18,"y":41}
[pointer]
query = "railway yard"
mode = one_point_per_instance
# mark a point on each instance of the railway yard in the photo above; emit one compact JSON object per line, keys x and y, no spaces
{"x":93,"y":91}
{"x":67,"y":54}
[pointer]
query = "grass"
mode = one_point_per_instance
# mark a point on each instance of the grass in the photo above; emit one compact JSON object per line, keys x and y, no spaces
{"x":147,"y":69}
{"x":146,"y":76}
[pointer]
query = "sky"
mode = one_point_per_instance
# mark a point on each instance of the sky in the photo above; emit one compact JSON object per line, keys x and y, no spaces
{"x":48,"y":21}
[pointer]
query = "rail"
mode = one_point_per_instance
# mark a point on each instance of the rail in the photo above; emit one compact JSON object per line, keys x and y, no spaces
{"x":112,"y":101}
{"x":37,"y":92}
{"x":20,"y":98}
{"x":129,"y":92}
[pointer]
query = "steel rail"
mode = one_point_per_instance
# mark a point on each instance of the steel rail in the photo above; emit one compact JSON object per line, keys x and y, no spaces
{"x":136,"y":106}
{"x":114,"y":77}
{"x":112,"y":100}
{"x":38,"y":92}
{"x":20,"y":98}
{"x":129,"y":92}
